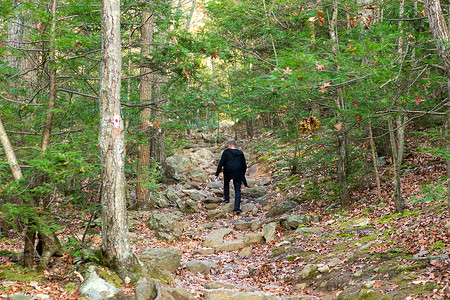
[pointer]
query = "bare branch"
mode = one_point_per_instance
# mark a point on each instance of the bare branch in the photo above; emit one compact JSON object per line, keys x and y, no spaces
{"x":77,"y":93}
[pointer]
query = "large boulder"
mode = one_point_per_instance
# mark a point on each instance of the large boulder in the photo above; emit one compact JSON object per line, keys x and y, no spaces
{"x":198,"y":175}
{"x":168,"y":226}
{"x":202,"y":157}
{"x":164,"y":259}
{"x":179,"y":163}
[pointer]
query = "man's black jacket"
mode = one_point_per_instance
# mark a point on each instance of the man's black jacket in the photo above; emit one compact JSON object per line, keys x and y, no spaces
{"x":234,"y":165}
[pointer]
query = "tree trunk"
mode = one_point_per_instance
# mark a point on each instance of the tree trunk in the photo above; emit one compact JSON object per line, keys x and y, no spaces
{"x":440,"y":32}
{"x":115,"y":247}
{"x":15,"y":36}
{"x":145,"y":124}
{"x":10,"y":155}
{"x":398,"y":201}
{"x":342,"y":133}
{"x":374,"y":159}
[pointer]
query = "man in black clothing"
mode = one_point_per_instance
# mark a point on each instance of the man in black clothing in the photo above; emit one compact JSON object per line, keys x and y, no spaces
{"x":234,"y":167}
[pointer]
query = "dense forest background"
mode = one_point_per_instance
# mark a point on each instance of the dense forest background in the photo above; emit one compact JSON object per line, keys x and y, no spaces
{"x":345,"y":86}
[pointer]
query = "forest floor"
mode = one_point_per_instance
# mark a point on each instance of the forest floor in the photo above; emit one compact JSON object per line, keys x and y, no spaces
{"x":365,"y":252}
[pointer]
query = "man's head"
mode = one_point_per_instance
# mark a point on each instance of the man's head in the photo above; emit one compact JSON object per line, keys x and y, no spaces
{"x":232,"y":144}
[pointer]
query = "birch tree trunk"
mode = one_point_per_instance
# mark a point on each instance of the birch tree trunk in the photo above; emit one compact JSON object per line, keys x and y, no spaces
{"x":115,"y":247}
{"x":10,"y":155}
{"x":440,"y":32}
{"x":145,"y":124}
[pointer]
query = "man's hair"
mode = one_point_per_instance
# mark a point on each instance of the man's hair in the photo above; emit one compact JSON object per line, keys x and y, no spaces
{"x":232,"y":143}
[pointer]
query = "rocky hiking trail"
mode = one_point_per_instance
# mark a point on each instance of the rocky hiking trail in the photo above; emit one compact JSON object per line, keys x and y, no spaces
{"x":280,"y":247}
{"x":211,"y":252}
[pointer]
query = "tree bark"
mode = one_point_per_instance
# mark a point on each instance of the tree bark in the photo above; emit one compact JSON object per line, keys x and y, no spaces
{"x":439,"y":29}
{"x":374,"y":159}
{"x":342,"y":133}
{"x":398,"y":201}
{"x":115,"y":247}
{"x":145,"y":124}
{"x":10,"y":155}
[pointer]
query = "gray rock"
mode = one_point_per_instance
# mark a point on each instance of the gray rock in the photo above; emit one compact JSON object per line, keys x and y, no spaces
{"x":212,"y":199}
{"x":215,"y":214}
{"x":255,"y":192}
{"x":165,"y":259}
{"x":307,"y":230}
{"x":244,"y":224}
{"x":230,"y":246}
{"x":211,"y":206}
{"x":96,"y":288}
{"x":169,"y":226}
{"x":176,"y":294}
{"x":198,"y":175}
{"x":218,"y":294}
{"x":324,"y":269}
{"x":8,"y":283}
{"x":253,"y":238}
{"x":293,"y":221}
{"x":247,"y":251}
{"x":158,"y":219}
{"x":196,"y":194}
{"x":172,"y":195}
{"x":359,"y":222}
{"x":253,"y":296}
{"x":334,"y":261}
{"x":198,"y":266}
{"x":145,"y":289}
{"x":205,"y":251}
{"x":42,"y":296}
{"x":191,"y":206}
{"x":270,"y":231}
{"x":308,"y":271}
{"x":179,"y":163}
{"x":249,"y":207}
{"x":214,"y":185}
{"x":215,"y":237}
{"x":220,"y":285}
{"x":282,"y":208}
{"x":161,"y":202}
{"x":20,"y":296}
{"x":256,"y":225}
{"x":132,"y":223}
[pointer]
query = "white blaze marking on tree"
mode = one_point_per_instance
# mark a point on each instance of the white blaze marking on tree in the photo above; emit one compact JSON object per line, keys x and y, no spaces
{"x":116,"y":121}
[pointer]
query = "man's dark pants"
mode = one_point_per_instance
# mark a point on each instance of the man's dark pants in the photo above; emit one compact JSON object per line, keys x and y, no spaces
{"x":237,"y":192}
